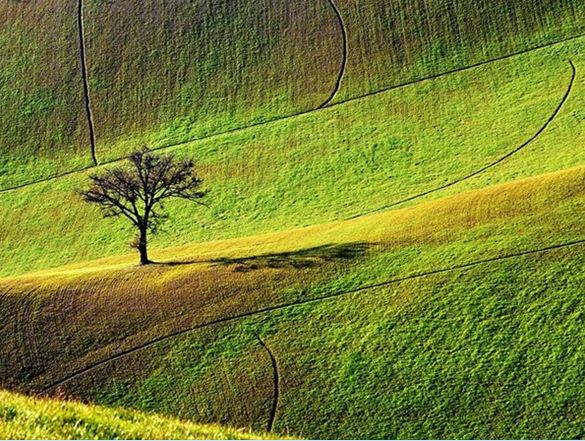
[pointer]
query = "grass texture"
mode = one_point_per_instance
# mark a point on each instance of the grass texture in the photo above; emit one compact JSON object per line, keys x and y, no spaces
{"x":169,"y":73}
{"x":33,"y":418}
{"x":122,"y":314}
{"x":366,"y":154}
{"x":405,"y":264}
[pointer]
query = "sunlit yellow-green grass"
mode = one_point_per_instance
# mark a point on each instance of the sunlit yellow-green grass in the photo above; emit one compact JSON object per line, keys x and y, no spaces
{"x":336,"y":163}
{"x":33,"y":418}
{"x":170,"y":72}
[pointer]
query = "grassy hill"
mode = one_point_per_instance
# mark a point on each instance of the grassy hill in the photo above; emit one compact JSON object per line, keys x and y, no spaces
{"x":163,"y":74}
{"x":395,"y":241}
{"x":340,"y":162}
{"x":182,"y":338}
{"x":29,"y":418}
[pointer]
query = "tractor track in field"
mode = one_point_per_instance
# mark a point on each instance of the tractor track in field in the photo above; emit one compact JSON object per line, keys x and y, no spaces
{"x":85,"y":77}
{"x":493,"y":164}
{"x":344,"y":46}
{"x":333,"y":295}
{"x":276,"y":382}
{"x":297,"y":114}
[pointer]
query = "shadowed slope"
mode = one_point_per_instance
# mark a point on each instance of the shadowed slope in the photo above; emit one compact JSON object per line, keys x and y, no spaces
{"x":397,"y":42}
{"x":184,"y":70}
{"x":158,"y":73}
{"x":205,"y":66}
{"x":42,"y":117}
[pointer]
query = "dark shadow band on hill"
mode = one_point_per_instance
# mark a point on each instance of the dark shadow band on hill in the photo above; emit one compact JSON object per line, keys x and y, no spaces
{"x":297,"y":114}
{"x":325,"y":297}
{"x":489,"y":166}
{"x":305,"y":258}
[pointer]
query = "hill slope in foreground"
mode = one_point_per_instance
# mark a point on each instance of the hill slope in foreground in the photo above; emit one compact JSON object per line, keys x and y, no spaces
{"x":401,"y":259}
{"x":30,"y":418}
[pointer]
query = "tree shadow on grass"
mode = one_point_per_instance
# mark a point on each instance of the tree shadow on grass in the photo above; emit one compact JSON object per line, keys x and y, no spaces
{"x":305,"y":258}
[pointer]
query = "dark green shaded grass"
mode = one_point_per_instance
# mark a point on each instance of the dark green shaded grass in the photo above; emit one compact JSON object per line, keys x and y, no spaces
{"x":43,"y":127}
{"x":204,"y":66}
{"x":396,"y":42}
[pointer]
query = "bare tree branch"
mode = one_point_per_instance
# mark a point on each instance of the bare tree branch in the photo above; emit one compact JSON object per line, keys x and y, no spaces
{"x":137,"y":191}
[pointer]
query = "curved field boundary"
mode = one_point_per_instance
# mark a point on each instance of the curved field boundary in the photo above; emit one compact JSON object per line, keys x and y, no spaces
{"x":334,"y":295}
{"x":297,"y":114}
{"x":276,"y":377}
{"x":492,"y":164}
{"x":344,"y":44}
{"x":84,"y":74}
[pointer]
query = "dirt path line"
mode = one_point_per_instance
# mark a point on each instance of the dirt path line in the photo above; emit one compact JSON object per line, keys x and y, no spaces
{"x":276,"y":387}
{"x":84,"y":74}
{"x":344,"y":46}
{"x":334,"y":295}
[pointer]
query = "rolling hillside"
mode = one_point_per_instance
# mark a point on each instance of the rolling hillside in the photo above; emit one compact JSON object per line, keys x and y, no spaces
{"x":525,"y":110}
{"x":118,"y":74}
{"x":395,"y":239}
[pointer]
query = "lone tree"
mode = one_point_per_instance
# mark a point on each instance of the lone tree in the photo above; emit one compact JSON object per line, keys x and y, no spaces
{"x":138,"y":191}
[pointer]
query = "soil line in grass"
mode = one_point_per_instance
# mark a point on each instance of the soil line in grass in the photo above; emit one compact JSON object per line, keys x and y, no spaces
{"x":276,"y":378}
{"x":297,"y":114}
{"x":492,"y":164}
{"x":84,"y":74}
{"x":333,"y":295}
{"x":344,"y":44}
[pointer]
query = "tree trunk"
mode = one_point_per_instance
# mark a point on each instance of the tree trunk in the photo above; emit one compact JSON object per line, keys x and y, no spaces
{"x":142,"y":248}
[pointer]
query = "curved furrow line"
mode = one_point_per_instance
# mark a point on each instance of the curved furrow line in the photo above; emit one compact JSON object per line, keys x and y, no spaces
{"x":49,"y":178}
{"x":85,"y":78}
{"x":344,"y":45}
{"x":276,"y":388}
{"x":333,"y":295}
{"x":297,"y":114}
{"x":490,"y":165}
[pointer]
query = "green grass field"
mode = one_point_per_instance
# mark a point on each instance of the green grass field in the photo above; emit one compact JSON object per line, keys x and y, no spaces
{"x":360,"y":160}
{"x":403,"y":262}
{"x":170,"y":73}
